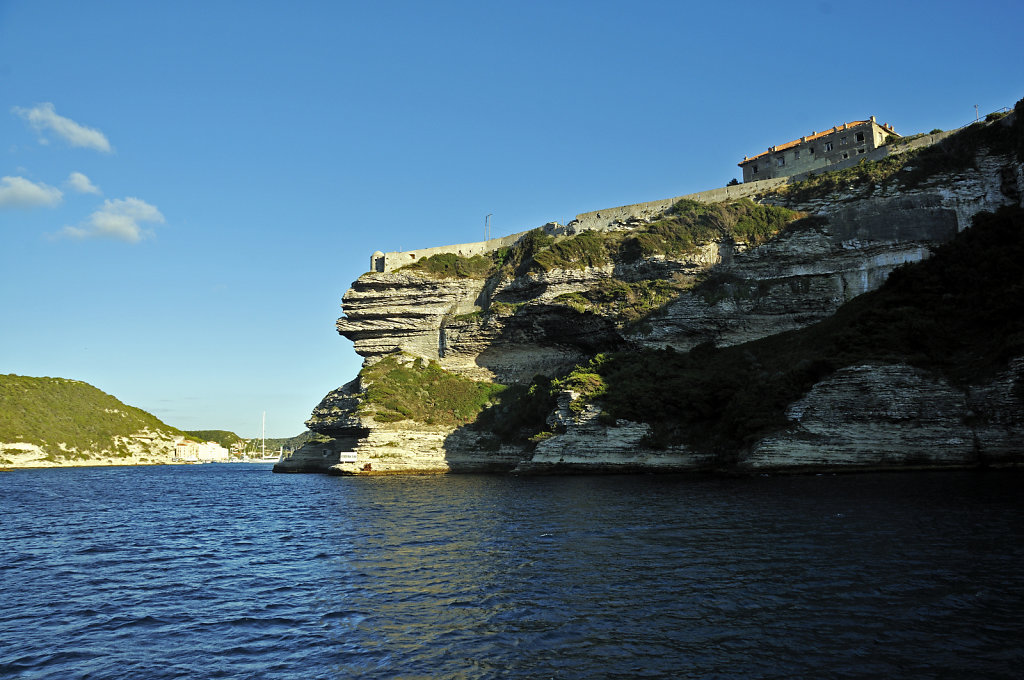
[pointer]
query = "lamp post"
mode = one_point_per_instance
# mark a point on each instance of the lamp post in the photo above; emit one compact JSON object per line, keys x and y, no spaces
{"x":487,"y":227}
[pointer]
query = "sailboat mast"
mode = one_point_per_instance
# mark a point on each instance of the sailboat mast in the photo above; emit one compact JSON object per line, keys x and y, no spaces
{"x":263,"y":436}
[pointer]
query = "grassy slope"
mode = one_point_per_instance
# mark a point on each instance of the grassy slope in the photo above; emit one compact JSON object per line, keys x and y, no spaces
{"x":49,"y":411}
{"x":423,"y":392}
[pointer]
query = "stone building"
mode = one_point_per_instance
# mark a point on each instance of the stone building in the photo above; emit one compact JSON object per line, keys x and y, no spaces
{"x":194,"y":452}
{"x":817,"y":150}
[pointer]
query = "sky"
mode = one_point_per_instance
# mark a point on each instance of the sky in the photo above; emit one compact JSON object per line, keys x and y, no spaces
{"x":187,"y":189}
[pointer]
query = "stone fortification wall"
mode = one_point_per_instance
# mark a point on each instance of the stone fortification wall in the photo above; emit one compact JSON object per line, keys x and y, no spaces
{"x":599,"y":220}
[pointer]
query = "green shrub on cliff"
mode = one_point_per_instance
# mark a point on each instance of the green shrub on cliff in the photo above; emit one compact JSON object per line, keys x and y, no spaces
{"x":519,"y":412}
{"x":586,"y":381}
{"x":687,"y":225}
{"x":757,"y":224}
{"x":452,"y":266}
{"x":959,"y":152}
{"x":626,"y":302}
{"x":412,"y":389}
{"x":864,"y":173}
{"x":499,"y":308}
{"x":587,"y":249}
{"x":515,"y":260}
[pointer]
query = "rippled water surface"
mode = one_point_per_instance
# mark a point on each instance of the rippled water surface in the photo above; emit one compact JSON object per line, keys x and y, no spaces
{"x":229,"y":571}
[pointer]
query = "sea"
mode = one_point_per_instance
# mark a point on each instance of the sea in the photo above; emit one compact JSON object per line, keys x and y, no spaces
{"x":231,"y":571}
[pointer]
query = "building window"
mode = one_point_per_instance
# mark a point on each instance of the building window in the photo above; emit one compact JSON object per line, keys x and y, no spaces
{"x":796,"y":154}
{"x":842,"y":141}
{"x":860,"y":151}
{"x":846,"y":155}
{"x":860,"y":136}
{"x":828,"y":146}
{"x":755,"y":169}
{"x":780,"y":161}
{"x":812,"y":150}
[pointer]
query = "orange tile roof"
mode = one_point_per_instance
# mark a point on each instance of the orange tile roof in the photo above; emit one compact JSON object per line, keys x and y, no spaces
{"x":790,"y":145}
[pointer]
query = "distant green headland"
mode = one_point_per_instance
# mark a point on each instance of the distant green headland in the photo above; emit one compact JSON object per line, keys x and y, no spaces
{"x":48,"y":422}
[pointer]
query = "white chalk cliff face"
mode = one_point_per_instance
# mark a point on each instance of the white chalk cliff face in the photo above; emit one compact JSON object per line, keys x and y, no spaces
{"x":509,"y":330}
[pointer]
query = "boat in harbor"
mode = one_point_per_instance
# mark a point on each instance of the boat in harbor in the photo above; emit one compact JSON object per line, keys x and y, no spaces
{"x":263,"y":457}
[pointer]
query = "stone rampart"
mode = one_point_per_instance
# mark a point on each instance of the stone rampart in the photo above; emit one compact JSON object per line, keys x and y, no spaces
{"x":599,"y":220}
{"x":388,"y":262}
{"x":875,"y":154}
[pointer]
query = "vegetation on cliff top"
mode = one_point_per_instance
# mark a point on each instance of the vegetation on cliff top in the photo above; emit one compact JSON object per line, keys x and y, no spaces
{"x":682,"y":230}
{"x":412,"y":389}
{"x":452,"y":266}
{"x":52,"y":411}
{"x":961,"y":312}
{"x":689,"y":224}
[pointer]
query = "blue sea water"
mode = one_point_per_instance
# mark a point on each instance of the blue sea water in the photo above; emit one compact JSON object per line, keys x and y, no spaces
{"x":230,"y":571}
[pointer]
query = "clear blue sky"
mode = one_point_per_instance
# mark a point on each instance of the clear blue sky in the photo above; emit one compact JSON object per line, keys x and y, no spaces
{"x":190,"y":187}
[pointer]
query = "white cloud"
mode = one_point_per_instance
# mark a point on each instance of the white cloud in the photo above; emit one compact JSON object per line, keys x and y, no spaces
{"x":82,"y":184}
{"x":18,"y":192}
{"x":118,"y":219}
{"x":44,"y":117}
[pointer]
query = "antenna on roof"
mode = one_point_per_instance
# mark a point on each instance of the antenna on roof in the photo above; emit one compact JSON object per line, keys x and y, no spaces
{"x":487,"y":227}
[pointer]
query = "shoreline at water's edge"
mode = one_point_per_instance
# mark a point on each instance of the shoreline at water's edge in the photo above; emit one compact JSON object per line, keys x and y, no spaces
{"x":101,"y":464}
{"x":575,"y":469}
{"x":89,"y":464}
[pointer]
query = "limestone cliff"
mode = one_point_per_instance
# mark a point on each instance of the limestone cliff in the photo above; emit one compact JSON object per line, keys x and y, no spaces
{"x":888,"y":415}
{"x":691,"y":278}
